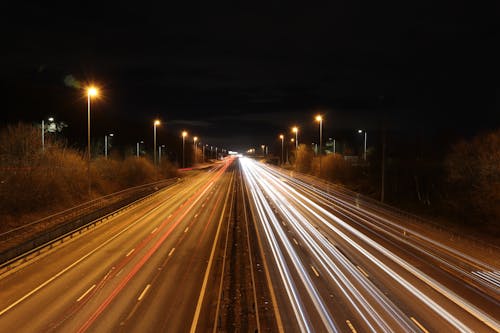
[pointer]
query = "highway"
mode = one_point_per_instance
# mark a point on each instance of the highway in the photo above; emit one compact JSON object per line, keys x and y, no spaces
{"x":150,"y":269}
{"x":339,"y":266}
{"x":247,"y":247}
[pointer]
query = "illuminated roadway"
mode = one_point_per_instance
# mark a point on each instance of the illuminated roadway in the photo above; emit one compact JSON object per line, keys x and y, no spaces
{"x":337,"y":265}
{"x":320,"y":261}
{"x":147,"y":270}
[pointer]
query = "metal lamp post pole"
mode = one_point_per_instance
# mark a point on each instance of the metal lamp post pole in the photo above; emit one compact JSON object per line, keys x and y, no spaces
{"x":88,"y":144}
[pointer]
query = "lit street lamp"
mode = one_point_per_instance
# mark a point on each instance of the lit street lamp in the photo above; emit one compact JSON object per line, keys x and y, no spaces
{"x":295,"y":130}
{"x":194,"y":145}
{"x":364,"y":152}
{"x":137,"y":149}
{"x":282,"y":137}
{"x":159,"y":153}
{"x":319,"y":118}
{"x":156,"y":123}
{"x":43,"y":132}
{"x":106,"y":144}
{"x":184,"y":134}
{"x":91,"y":92}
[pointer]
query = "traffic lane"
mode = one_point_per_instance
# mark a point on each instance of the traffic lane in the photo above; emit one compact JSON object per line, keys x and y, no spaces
{"x":14,"y":284}
{"x":416,"y":278}
{"x":429,"y":270}
{"x":294,"y":195}
{"x":131,"y":281}
{"x":328,"y":283}
{"x":175,"y":289}
{"x":372,"y":217}
{"x":44,"y":298}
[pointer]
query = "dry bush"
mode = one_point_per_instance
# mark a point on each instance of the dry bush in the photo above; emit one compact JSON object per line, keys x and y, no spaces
{"x":32,"y":180}
{"x":168,"y":169}
{"x":136,"y":171}
{"x":35,"y":183}
{"x":303,"y":161}
{"x":106,"y":175}
{"x":473,"y":172}
{"x":333,"y":168}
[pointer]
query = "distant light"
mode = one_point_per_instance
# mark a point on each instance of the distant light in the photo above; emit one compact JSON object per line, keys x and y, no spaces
{"x":319,"y":118}
{"x":111,"y":134}
{"x":295,"y":129}
{"x":157,"y":122}
{"x":282,"y":136}
{"x":51,"y":119}
{"x":195,"y":139}
{"x":92,"y":91}
{"x":184,"y":134}
{"x":360,"y":131}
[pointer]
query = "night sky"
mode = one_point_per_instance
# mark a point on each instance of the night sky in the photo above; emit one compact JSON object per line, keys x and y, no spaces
{"x":239,"y":74}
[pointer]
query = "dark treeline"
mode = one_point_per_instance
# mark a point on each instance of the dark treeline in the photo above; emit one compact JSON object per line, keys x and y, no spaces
{"x":36,"y":182}
{"x":439,"y":176}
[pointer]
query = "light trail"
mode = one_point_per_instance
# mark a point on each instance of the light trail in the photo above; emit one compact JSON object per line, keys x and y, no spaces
{"x":272,"y":195}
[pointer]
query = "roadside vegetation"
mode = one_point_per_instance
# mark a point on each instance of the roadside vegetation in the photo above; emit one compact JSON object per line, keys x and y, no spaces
{"x":460,"y":186}
{"x":36,"y":183}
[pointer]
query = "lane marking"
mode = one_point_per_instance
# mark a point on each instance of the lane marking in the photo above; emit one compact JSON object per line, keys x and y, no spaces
{"x":85,"y":293}
{"x":186,"y":230}
{"x":144,"y":292}
{"x":130,"y":252}
{"x":171,"y":251}
{"x":196,"y":215}
{"x":363,"y":271}
{"x":295,"y":241}
{"x":351,"y":326}
{"x":419,"y":325}
{"x":209,"y":267}
{"x":78,"y":261}
{"x":154,"y":230}
{"x":315,"y":271}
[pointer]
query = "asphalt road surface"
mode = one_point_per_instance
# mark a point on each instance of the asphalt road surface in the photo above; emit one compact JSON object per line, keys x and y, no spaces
{"x":245,"y":247}
{"x":338,"y":264}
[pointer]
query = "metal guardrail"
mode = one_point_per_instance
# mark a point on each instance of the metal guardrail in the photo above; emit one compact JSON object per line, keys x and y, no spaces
{"x":21,"y":240}
{"x":390,"y":210}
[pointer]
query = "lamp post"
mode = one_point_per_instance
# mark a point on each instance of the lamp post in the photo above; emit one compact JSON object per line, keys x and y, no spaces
{"x":106,"y":144}
{"x":194,"y":146}
{"x":364,"y":152}
{"x":295,"y":130}
{"x":91,"y":92}
{"x":319,"y":119}
{"x":159,"y":153}
{"x":184,"y":134}
{"x":156,"y":123}
{"x":43,"y":132}
{"x":282,"y":137}
{"x":138,"y":148}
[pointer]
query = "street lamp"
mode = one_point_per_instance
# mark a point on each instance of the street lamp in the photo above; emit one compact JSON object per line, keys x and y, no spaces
{"x":137,"y":149}
{"x":91,"y":92}
{"x":364,"y":153}
{"x":156,"y":123}
{"x":50,"y":119}
{"x":106,"y":144}
{"x":319,"y":119}
{"x":159,"y":153}
{"x":295,"y":130}
{"x":194,"y":146}
{"x":282,"y":137}
{"x":184,"y":134}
